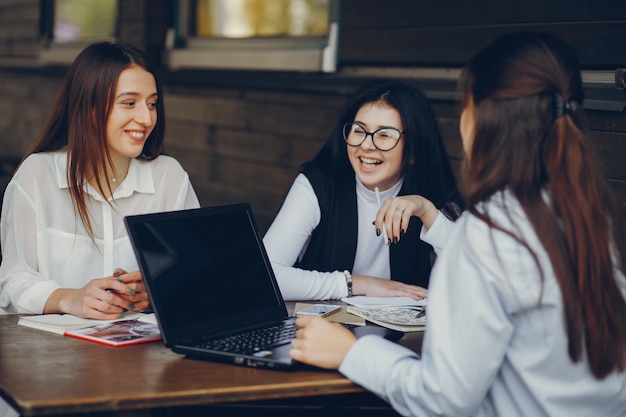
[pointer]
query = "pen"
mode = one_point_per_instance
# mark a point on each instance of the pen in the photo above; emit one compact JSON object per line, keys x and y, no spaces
{"x":384,"y":229}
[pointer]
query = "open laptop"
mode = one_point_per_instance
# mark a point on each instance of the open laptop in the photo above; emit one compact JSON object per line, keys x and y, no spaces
{"x":208,"y":277}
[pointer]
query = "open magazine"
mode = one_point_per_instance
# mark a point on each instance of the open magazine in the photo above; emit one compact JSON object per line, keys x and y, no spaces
{"x":397,"y":313}
{"x":404,"y":319}
{"x":119,"y":333}
{"x":130,"y":329}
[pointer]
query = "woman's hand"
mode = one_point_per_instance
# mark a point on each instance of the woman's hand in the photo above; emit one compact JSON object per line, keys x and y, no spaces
{"x":378,"y":287}
{"x":396,"y":213}
{"x":321,"y":343}
{"x":135,"y":292}
{"x":102,"y":298}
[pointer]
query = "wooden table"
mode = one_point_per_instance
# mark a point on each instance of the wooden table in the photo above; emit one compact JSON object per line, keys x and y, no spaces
{"x":43,"y":373}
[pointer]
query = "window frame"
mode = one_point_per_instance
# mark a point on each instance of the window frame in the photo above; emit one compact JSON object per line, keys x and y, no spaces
{"x":311,"y":53}
{"x":54,"y":53}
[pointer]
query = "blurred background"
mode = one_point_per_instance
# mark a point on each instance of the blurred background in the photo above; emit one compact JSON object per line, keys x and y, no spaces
{"x":253,"y":87}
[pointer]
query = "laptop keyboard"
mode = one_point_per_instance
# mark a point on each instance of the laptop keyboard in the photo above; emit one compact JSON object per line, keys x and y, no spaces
{"x":255,"y":340}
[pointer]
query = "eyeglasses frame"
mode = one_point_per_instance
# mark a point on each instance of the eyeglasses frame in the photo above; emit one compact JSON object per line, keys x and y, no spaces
{"x":370,"y":134}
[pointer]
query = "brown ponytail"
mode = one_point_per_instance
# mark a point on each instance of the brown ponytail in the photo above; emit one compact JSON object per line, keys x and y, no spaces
{"x":529,"y":138}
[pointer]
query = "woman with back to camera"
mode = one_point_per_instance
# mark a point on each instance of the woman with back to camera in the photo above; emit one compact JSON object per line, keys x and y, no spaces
{"x":539,"y":328}
{"x":97,"y":160}
{"x":330,"y":232}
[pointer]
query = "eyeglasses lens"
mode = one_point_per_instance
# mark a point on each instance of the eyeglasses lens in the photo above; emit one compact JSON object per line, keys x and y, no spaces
{"x":384,"y":139}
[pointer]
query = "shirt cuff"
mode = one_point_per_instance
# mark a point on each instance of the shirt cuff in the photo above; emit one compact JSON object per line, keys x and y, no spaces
{"x":437,"y":235}
{"x":370,"y":360}
{"x":34,"y":299}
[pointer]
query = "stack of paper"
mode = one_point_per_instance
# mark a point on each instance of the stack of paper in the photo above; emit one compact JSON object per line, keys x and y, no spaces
{"x":403,"y":319}
{"x":366,"y":301}
{"x":398,"y":313}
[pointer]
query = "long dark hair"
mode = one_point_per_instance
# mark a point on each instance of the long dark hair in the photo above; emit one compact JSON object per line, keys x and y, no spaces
{"x":80,"y":113}
{"x":527,"y":94}
{"x":425,"y":165}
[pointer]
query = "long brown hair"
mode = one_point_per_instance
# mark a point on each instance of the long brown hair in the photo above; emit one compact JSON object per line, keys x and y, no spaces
{"x":80,"y":113}
{"x":527,"y":94}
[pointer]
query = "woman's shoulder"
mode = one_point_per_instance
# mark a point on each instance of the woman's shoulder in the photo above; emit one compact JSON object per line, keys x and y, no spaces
{"x":161,"y":171}
{"x":505,"y":212}
{"x":314,"y":171}
{"x":165,"y":163}
{"x":319,"y":178}
{"x":41,"y":163}
{"x":504,"y":209}
{"x":166,"y":160}
{"x":42,"y":157}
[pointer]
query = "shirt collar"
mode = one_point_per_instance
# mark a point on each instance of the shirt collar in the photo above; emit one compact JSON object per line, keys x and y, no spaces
{"x":370,"y":196}
{"x":139,"y":179}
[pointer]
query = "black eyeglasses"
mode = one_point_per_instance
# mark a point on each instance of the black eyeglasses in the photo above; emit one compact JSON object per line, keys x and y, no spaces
{"x":384,"y":139}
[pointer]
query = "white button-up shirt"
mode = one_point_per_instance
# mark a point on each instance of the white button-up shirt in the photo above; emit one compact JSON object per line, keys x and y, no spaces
{"x":44,"y":243}
{"x":495,"y":343}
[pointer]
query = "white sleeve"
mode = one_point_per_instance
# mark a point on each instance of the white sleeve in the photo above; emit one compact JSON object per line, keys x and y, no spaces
{"x":463,"y":346}
{"x":438,"y":233}
{"x":23,"y":289}
{"x":288,"y":236}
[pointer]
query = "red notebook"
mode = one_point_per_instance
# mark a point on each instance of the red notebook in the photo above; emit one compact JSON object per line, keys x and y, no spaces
{"x":118,"y":333}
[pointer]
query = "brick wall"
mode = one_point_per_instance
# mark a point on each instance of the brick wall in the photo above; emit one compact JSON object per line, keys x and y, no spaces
{"x":243,"y":135}
{"x":246,"y":145}
{"x":237,"y":144}
{"x":25,"y":100}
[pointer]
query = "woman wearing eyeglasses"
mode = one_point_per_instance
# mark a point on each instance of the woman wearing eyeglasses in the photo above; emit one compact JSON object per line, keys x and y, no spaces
{"x":331,"y":239}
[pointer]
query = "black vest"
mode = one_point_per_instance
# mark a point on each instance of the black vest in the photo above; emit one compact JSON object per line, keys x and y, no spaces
{"x":333,"y":242}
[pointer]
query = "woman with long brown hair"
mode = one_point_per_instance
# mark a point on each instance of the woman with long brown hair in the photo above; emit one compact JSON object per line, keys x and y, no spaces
{"x":97,"y":160}
{"x":527,"y":310}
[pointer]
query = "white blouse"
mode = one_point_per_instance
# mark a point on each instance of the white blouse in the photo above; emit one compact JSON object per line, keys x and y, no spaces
{"x":287,"y":238}
{"x":491,"y":347}
{"x":44,"y":243}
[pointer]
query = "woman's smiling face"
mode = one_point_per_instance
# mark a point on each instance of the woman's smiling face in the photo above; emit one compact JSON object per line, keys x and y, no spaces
{"x":134,"y":113}
{"x":373,"y":167}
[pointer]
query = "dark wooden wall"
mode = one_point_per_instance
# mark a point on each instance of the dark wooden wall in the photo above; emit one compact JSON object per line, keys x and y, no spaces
{"x":406,"y":33}
{"x":243,"y":134}
{"x":444,"y":32}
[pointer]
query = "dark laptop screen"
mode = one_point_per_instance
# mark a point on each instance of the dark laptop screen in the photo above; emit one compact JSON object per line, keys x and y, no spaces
{"x":207,"y":269}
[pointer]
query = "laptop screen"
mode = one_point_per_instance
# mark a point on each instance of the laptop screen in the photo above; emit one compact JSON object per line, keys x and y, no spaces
{"x":206,"y":270}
